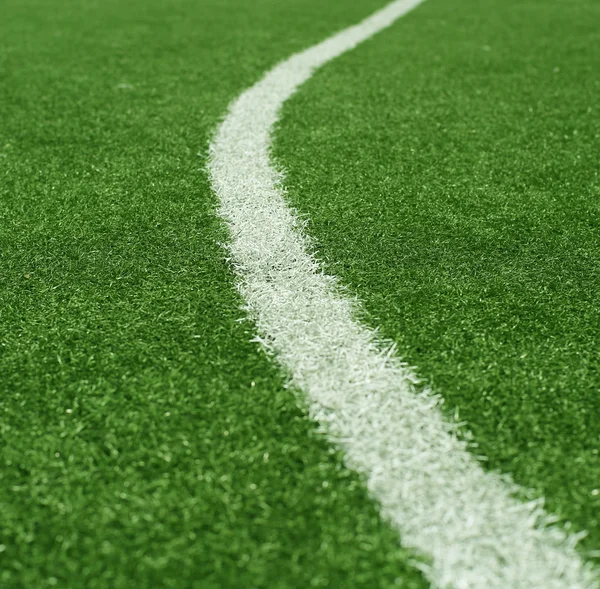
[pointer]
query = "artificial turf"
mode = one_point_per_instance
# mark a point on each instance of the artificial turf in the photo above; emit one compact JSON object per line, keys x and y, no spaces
{"x":145,"y":440}
{"x":448,"y":169}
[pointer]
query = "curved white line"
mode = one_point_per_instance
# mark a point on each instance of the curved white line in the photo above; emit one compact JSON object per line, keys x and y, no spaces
{"x":465,"y":521}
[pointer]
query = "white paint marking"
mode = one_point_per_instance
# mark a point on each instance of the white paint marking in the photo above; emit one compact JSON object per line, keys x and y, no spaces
{"x":465,"y":522}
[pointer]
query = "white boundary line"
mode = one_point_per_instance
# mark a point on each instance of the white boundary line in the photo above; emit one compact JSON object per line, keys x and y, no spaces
{"x":464,"y":521}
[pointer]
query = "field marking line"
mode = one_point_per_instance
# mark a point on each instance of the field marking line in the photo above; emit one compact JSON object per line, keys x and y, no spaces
{"x":466,"y":524}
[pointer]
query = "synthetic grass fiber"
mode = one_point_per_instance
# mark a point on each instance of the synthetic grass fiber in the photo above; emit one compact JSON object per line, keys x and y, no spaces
{"x":451,"y":182}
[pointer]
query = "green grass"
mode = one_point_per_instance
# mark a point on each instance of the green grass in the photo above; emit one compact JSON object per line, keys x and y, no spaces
{"x":144,"y":440}
{"x":449,"y":171}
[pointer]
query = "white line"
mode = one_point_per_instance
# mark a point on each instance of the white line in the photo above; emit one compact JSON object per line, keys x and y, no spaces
{"x":464,"y":521}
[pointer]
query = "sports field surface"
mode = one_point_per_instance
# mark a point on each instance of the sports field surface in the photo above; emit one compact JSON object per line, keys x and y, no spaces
{"x":299,"y":294}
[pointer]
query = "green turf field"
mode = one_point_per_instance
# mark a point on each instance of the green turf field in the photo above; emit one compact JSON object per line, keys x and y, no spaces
{"x":448,"y":168}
